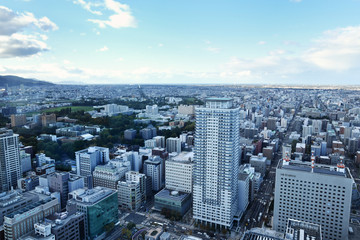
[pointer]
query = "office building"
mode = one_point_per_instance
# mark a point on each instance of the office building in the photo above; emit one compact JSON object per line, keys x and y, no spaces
{"x":67,"y":226}
{"x":107,"y":176}
{"x":75,"y":182}
{"x":88,"y":159}
{"x":173,"y":145}
{"x":179,"y":172}
{"x":18,"y":120}
{"x":153,"y":168}
{"x":22,"y":221}
{"x":99,"y":205}
{"x":141,"y":178}
{"x":129,"y":195}
{"x":28,"y":183}
{"x":259,"y":163}
{"x":10,"y":165}
{"x":14,"y":200}
{"x":216,"y":158}
{"x":176,"y":201}
{"x":58,"y":182}
{"x":314,"y":193}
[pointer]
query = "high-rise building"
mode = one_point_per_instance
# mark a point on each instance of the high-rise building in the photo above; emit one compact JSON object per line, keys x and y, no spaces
{"x":88,"y":159}
{"x":319,"y":194}
{"x":216,"y":158}
{"x":153,"y":168}
{"x":10,"y":165}
{"x":99,"y":205}
{"x":173,"y":145}
{"x":179,"y":172}
{"x":133,"y":176}
{"x":58,"y":182}
{"x":129,"y":195}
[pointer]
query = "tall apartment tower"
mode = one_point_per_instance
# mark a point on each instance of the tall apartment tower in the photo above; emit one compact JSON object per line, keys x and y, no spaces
{"x":216,"y":158}
{"x":10,"y":164}
{"x":314,"y":193}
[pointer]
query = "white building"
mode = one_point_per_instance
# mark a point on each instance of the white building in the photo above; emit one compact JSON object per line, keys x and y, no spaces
{"x":320,"y":194}
{"x":179,"y":172}
{"x":173,"y":145}
{"x":88,"y":159}
{"x":216,"y":158}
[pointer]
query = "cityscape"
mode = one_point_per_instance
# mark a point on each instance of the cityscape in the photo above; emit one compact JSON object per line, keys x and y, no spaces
{"x":129,"y":121}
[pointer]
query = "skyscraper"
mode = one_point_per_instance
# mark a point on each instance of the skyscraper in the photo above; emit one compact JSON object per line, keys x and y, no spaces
{"x":10,"y":165}
{"x":216,"y":158}
{"x":319,"y":194}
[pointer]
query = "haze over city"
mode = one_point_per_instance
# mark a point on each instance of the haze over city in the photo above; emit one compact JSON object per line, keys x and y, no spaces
{"x":182,"y":42}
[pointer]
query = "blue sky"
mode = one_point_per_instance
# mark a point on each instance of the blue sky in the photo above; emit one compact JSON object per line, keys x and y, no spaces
{"x":188,"y":41}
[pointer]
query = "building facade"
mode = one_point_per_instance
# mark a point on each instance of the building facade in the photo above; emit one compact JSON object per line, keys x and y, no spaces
{"x":320,"y":194}
{"x":10,"y":164}
{"x":216,"y":158}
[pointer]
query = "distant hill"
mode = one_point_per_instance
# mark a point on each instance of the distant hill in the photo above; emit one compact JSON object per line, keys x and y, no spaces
{"x":17,"y":81}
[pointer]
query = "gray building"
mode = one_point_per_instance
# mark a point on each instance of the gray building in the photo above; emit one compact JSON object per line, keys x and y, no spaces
{"x":153,"y":169}
{"x":14,"y":200}
{"x":58,"y":182}
{"x":66,"y":226}
{"x":173,"y":145}
{"x":22,"y":221}
{"x":10,"y":164}
{"x":320,"y":194}
{"x":108,"y":176}
{"x":259,"y":163}
{"x":129,"y":134}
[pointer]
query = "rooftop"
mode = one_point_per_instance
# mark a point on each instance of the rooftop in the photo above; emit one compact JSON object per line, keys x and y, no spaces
{"x":90,"y":196}
{"x":184,"y":157}
{"x":297,"y":165}
{"x":300,"y":230}
{"x":172,"y":195}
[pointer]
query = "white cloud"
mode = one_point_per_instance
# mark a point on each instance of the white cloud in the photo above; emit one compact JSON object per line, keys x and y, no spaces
{"x":337,"y":49}
{"x":89,"y":6}
{"x":12,"y":22}
{"x":121,"y":18}
{"x":160,"y":45}
{"x":261,"y":42}
{"x":103,"y":49}
{"x":13,"y":43}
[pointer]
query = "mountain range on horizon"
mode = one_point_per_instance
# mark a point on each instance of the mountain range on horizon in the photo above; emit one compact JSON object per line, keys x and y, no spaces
{"x":12,"y":81}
